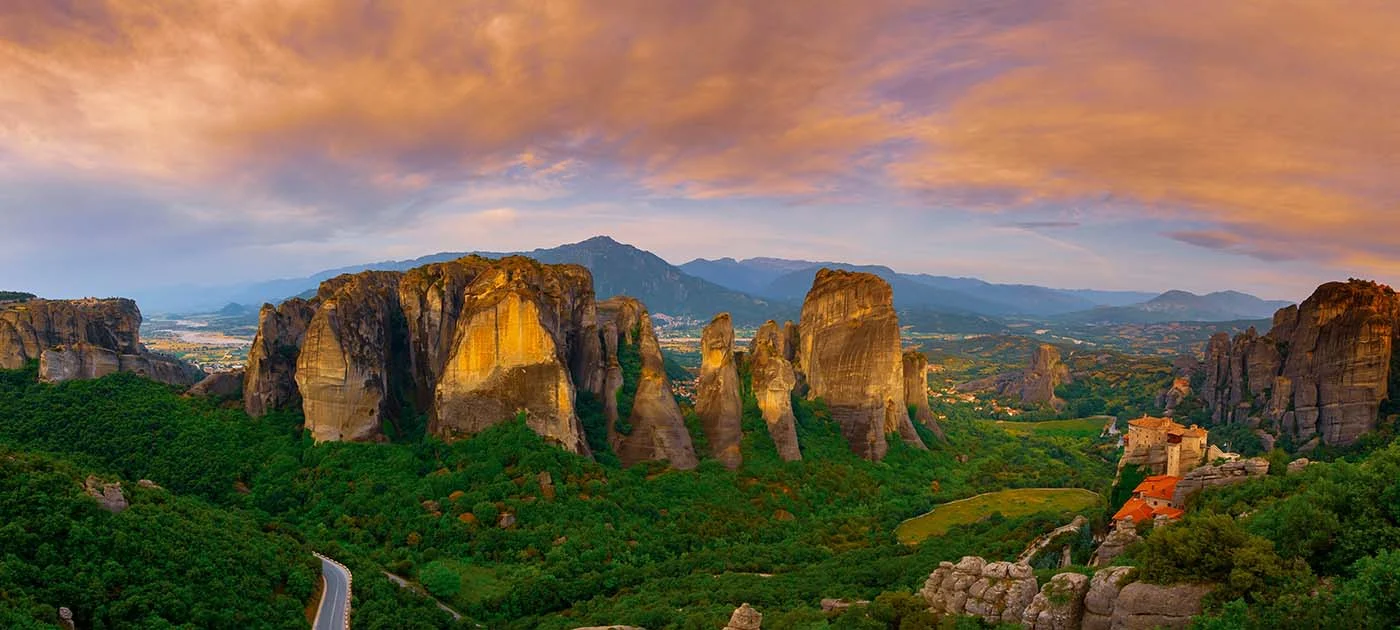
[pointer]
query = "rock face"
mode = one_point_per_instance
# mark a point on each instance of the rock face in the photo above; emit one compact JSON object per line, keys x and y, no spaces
{"x":849,"y":356}
{"x":1059,"y":605}
{"x":83,"y":339}
{"x":1322,"y":371}
{"x":1224,"y":474}
{"x":745,"y":618}
{"x":511,"y":352}
{"x":1114,"y":545}
{"x":108,"y":495}
{"x":431,"y":298}
{"x":657,"y":426}
{"x":916,"y":390}
{"x":1102,"y":597}
{"x":773,"y":383}
{"x":1037,"y":384}
{"x":219,"y":385}
{"x":343,"y":371}
{"x":998,"y":592}
{"x":1149,"y":606}
{"x":1174,"y":395}
{"x":717,"y":399}
{"x":270,"y":375}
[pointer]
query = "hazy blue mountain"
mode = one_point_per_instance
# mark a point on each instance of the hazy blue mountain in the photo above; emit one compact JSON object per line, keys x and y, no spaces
{"x":751,"y":275}
{"x":1221,"y":306}
{"x":1110,"y":298}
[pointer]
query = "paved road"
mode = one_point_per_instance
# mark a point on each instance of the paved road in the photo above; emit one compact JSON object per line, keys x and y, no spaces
{"x":334,"y":613}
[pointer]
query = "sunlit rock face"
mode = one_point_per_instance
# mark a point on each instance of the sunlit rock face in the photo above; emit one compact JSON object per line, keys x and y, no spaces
{"x":431,"y":298}
{"x":849,"y":354}
{"x":270,"y":375}
{"x":1322,"y":371}
{"x":916,"y":390}
{"x":717,"y":399}
{"x":83,"y":339}
{"x":344,"y":369}
{"x":658,"y":429}
{"x":773,"y":381}
{"x":510,"y":352}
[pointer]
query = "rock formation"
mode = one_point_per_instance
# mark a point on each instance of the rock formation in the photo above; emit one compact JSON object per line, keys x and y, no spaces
{"x":773,"y":383}
{"x":1059,"y":605}
{"x":849,"y":355}
{"x":269,"y":380}
{"x":1114,"y":545}
{"x":1037,"y":383}
{"x":1322,"y":371}
{"x":916,"y":390}
{"x":1224,"y":474}
{"x":108,"y":495}
{"x":511,"y":352}
{"x":83,"y":339}
{"x":219,"y":385}
{"x":431,"y":298}
{"x":998,"y":592}
{"x":1174,"y":395}
{"x":717,"y":399}
{"x":657,"y":427}
{"x":1002,"y":592}
{"x":745,"y":618}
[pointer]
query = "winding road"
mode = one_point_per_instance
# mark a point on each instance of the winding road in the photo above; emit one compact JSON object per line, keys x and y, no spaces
{"x":334,"y":612}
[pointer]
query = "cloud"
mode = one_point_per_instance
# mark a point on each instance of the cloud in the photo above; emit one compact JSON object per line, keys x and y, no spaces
{"x":1041,"y":225}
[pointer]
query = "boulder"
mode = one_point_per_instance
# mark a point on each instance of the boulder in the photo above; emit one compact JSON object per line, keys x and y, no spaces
{"x":269,"y":380}
{"x":510,"y":352}
{"x":916,"y":390}
{"x":1059,"y":605}
{"x":344,"y":370}
{"x":1298,"y":465}
{"x":830,"y":605}
{"x":850,"y":357}
{"x":658,"y":427}
{"x":1114,"y":545}
{"x":1142,"y":606}
{"x":1102,"y":596}
{"x":745,"y":618}
{"x":773,"y":383}
{"x":717,"y":399}
{"x":219,"y":385}
{"x":998,"y":592}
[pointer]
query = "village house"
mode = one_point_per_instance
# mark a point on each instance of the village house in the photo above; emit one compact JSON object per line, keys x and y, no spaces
{"x":1152,"y":499}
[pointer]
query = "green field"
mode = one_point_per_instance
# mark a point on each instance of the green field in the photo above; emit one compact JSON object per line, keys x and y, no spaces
{"x":1079,"y":427}
{"x":1010,"y":503}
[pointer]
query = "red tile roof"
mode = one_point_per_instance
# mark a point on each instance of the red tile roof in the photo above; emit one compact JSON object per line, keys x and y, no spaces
{"x":1136,"y":508}
{"x":1157,"y":487}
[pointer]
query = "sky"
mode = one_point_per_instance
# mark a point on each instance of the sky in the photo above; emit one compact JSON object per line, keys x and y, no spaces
{"x":1113,"y":144}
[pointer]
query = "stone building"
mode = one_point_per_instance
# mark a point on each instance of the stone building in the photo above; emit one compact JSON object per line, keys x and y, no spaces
{"x":1163,"y":447}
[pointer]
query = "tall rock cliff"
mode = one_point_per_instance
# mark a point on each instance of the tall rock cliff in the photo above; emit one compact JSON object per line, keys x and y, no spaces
{"x":717,"y":399}
{"x":850,"y":357}
{"x":83,"y":339}
{"x":431,"y":298}
{"x":345,"y":372}
{"x":1323,"y":370}
{"x":1045,"y":372}
{"x":773,"y":381}
{"x":657,"y":427}
{"x":270,"y":376}
{"x":511,"y":352}
{"x":916,"y":390}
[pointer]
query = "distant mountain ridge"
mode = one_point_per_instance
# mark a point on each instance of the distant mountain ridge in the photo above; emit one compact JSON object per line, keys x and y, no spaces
{"x":1186,"y":306}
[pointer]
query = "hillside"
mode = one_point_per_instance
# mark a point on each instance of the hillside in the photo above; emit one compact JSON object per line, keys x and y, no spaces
{"x":1183,"y":306}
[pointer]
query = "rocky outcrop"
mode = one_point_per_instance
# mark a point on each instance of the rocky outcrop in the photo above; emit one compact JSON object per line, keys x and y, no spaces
{"x":916,"y":390}
{"x":1102,"y":597}
{"x":1143,"y":606}
{"x":1178,"y":392}
{"x":1225,"y":474}
{"x":773,"y":382}
{"x":270,"y":374}
{"x":219,"y":385}
{"x":998,"y":592}
{"x":717,"y":399}
{"x":1037,"y":383}
{"x":657,"y":426}
{"x":511,"y":352}
{"x":1059,"y":605}
{"x":108,"y":495}
{"x":1323,"y":369}
{"x":849,"y":356}
{"x":745,"y":618}
{"x":83,"y":339}
{"x":1114,"y":545}
{"x":344,"y":370}
{"x":431,"y":298}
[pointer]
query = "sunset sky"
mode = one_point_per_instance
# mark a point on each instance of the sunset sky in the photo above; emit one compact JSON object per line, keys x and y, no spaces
{"x":1133,"y":144}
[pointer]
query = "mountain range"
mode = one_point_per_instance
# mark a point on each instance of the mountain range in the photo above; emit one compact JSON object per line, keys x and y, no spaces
{"x":756,"y":289}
